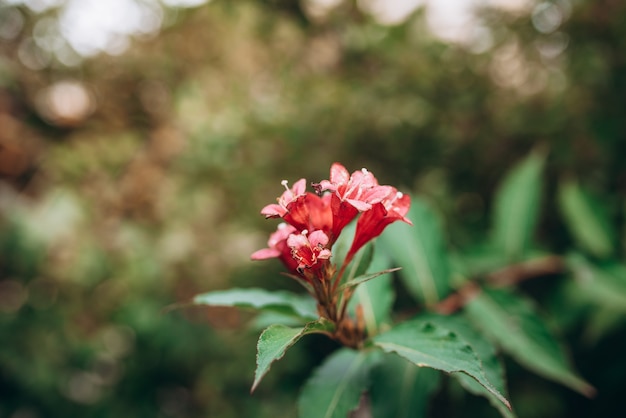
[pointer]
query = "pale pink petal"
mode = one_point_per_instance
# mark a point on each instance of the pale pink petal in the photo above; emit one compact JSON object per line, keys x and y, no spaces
{"x":378,"y":193}
{"x":318,"y":238}
{"x":359,"y":205}
{"x":265,"y":253}
{"x":357,"y":177}
{"x":325,"y":185}
{"x":297,"y":240}
{"x":363,"y":179}
{"x":299,"y":187}
{"x":339,"y":174}
{"x":282,"y":232}
{"x":273,"y":210}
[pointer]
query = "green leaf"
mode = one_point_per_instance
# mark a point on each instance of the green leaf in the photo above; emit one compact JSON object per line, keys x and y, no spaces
{"x":516,"y":207}
{"x":400,"y":389}
{"x":286,"y":303}
{"x":375,"y":297}
{"x":360,"y":263}
{"x":420,"y":251}
{"x":601,"y":322}
{"x":364,"y":278}
{"x":335,"y":388}
{"x":358,"y":266}
{"x":511,"y":322}
{"x":477,"y":261}
{"x":266,"y":318}
{"x":603,"y":284}
{"x":586,"y":221}
{"x":485,"y":351}
{"x":361,"y":260}
{"x":342,"y":245}
{"x":428,"y":345}
{"x":276,"y":339}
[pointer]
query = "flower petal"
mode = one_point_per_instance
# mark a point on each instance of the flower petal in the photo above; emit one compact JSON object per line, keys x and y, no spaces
{"x":265,"y":253}
{"x":339,"y":174}
{"x":360,"y":205}
{"x":273,"y":211}
{"x":299,"y":187}
{"x":317,"y":238}
{"x":297,"y":240}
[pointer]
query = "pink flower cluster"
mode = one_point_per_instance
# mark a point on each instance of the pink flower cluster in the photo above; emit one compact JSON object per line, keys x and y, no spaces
{"x":314,"y":221}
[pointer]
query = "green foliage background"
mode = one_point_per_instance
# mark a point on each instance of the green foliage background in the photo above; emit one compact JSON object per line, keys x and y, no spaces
{"x":107,"y":219}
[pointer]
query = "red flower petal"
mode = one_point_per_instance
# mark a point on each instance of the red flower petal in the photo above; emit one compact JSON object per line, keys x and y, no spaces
{"x":310,"y":212}
{"x":372,"y":223}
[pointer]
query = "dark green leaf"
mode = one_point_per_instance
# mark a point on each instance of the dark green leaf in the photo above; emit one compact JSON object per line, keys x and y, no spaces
{"x":429,"y":345}
{"x":588,"y":224}
{"x":511,"y":322}
{"x":516,"y":207}
{"x":276,"y":339}
{"x":337,"y":385}
{"x":400,"y":389}
{"x":302,"y":306}
{"x":486,"y":353}
{"x":420,"y":251}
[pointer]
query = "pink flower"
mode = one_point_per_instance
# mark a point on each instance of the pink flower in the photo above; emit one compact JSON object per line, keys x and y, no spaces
{"x":278,"y":248}
{"x":371,"y":224}
{"x":309,"y":250}
{"x":353,"y":193}
{"x":361,"y":189}
{"x":289,"y":195}
{"x":327,"y":214}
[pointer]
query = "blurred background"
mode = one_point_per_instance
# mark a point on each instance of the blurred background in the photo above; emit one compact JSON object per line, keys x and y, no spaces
{"x":140,"y":138}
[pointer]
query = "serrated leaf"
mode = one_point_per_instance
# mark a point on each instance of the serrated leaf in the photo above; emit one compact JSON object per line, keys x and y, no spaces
{"x":335,"y":388}
{"x":512,"y":323}
{"x":420,"y":251}
{"x":375,"y":297}
{"x":588,"y":224}
{"x":485,"y":351}
{"x":400,"y":389}
{"x":277,"y":339}
{"x":286,"y":303}
{"x":516,"y":207}
{"x":429,"y":345}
